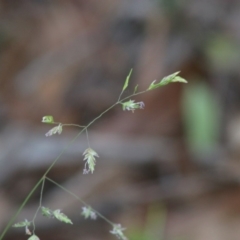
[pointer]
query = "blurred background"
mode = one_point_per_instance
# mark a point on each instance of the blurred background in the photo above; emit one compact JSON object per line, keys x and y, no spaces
{"x":170,"y":171}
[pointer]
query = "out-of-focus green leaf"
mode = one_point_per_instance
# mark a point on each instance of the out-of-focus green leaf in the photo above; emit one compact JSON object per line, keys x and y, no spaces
{"x":223,"y":52}
{"x":201,"y":114}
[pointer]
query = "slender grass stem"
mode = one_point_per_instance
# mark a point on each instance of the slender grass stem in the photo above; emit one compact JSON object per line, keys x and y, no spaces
{"x":40,"y":205}
{"x":20,"y":209}
{"x":84,"y":128}
{"x":48,"y":170}
{"x":73,"y":125}
{"x":80,"y":200}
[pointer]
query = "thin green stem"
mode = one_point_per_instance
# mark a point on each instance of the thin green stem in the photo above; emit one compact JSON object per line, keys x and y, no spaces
{"x":87,"y":138}
{"x":120,"y":95}
{"x":68,"y":124}
{"x":132,"y":95}
{"x":58,"y":157}
{"x":48,"y":170}
{"x":72,"y":124}
{"x":80,"y":200}
{"x":40,"y":205}
{"x":73,"y":140}
{"x":20,"y":209}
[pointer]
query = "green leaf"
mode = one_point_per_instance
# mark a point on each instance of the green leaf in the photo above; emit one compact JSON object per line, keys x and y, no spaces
{"x":48,"y":119}
{"x":179,"y":79}
{"x":127,"y":80}
{"x":34,"y":237}
{"x":152,"y":85}
{"x":46,"y":212}
{"x":166,"y":80}
{"x":26,"y":223}
{"x":135,"y":89}
{"x":201,"y":117}
{"x":61,"y":216}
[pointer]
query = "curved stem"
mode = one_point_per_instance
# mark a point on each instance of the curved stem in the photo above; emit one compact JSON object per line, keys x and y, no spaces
{"x":57,"y":158}
{"x":132,"y":95}
{"x":120,"y":95}
{"x":80,"y":200}
{"x":20,"y":209}
{"x":40,"y":205}
{"x":72,"y":124}
{"x":73,"y":140}
{"x":48,"y":170}
{"x":87,"y":138}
